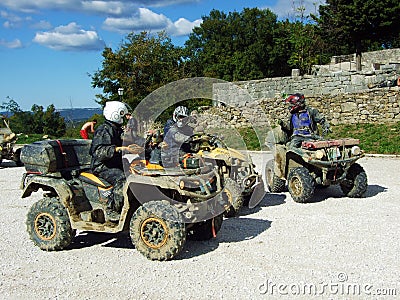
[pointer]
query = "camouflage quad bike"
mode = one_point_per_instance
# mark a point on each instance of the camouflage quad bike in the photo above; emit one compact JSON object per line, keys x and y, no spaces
{"x":236,"y":168}
{"x":161,"y":209}
{"x":317,"y":162}
{"x":7,"y":142}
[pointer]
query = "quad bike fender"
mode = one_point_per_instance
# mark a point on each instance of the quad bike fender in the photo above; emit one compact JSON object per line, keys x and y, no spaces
{"x":59,"y":186}
{"x":293,"y":160}
{"x":226,"y":155}
{"x":280,"y":161}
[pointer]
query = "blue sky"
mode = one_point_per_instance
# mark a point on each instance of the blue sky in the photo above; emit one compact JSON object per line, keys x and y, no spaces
{"x":48,"y":47}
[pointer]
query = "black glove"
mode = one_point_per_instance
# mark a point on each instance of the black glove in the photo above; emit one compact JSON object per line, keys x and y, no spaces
{"x":327,"y":130}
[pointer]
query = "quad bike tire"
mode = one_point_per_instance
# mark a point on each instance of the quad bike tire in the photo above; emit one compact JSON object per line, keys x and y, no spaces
{"x":204,"y":231}
{"x":274,"y":183}
{"x":232,"y":195}
{"x":301,"y":184}
{"x":157,"y":230}
{"x":356,"y":183}
{"x":49,"y":226}
{"x":17,"y":158}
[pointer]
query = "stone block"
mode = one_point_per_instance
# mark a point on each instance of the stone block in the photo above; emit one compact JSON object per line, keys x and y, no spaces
{"x":348,"y":107}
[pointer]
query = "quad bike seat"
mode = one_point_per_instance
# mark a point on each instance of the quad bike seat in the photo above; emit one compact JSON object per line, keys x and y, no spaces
{"x":94,"y":180}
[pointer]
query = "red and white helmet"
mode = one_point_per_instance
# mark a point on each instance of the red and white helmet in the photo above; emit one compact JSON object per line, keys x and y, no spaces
{"x":296,"y":102}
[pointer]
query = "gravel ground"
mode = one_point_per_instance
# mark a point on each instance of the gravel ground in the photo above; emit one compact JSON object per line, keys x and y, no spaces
{"x":335,"y":247}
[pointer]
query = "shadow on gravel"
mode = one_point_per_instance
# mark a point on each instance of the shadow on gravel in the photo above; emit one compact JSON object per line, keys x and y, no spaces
{"x":8,"y":164}
{"x":233,"y":230}
{"x":334,"y":191}
{"x":374,"y":190}
{"x":270,"y":199}
{"x":88,"y":239}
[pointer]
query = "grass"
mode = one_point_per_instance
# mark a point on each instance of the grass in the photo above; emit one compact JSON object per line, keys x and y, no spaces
{"x":30,"y":138}
{"x":374,"y":138}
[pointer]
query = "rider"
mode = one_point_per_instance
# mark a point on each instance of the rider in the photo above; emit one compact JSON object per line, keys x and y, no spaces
{"x":302,"y":123}
{"x":176,"y":134}
{"x":106,"y":151}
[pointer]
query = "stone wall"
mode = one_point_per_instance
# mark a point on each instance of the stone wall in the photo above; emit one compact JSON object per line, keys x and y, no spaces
{"x":343,"y":95}
{"x":379,"y":105}
{"x":328,"y":84}
{"x":370,"y":61}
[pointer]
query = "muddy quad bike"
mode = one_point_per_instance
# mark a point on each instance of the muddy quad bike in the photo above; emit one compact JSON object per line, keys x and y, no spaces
{"x":7,"y":143}
{"x":161,"y":209}
{"x":236,"y":168}
{"x":316,"y":162}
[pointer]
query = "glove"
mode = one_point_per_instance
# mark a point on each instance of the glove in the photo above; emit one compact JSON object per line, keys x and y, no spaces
{"x":327,"y":130}
{"x":279,"y":122}
{"x":122,"y":148}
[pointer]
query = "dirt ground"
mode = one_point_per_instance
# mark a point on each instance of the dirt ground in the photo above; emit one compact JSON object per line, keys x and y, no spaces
{"x":334,"y":248}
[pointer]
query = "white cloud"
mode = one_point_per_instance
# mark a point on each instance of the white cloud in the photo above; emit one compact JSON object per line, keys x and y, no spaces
{"x":12,"y":20}
{"x":183,"y":27}
{"x":117,"y":7}
{"x":123,"y":16}
{"x":146,"y":20}
{"x":15,"y":44}
{"x":42,"y":25}
{"x":70,"y":38}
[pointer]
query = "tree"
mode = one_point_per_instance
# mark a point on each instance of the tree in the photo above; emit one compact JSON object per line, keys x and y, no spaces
{"x":142,"y":64}
{"x":234,"y":46}
{"x":37,"y":118}
{"x":53,"y":123}
{"x":11,"y":106}
{"x":37,"y":121}
{"x":360,"y":22}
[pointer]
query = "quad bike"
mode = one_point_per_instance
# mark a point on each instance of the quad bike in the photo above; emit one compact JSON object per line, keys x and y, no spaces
{"x":316,"y":162}
{"x":161,"y":208}
{"x":7,"y":142}
{"x":236,"y":168}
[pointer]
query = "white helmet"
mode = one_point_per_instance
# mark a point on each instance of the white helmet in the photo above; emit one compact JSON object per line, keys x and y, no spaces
{"x":115,"y":111}
{"x":179,"y":113}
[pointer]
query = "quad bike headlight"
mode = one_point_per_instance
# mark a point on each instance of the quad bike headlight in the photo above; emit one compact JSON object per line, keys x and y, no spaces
{"x":319,"y":154}
{"x":355,"y":150}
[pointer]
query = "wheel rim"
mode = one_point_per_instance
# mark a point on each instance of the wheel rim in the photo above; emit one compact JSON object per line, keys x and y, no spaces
{"x":154,"y":233}
{"x":45,"y":226}
{"x":296,"y":186}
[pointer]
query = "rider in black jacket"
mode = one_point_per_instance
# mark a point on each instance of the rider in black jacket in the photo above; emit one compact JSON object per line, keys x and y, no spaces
{"x":106,"y":152}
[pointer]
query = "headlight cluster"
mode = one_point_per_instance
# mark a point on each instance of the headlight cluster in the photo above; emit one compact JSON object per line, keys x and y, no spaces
{"x":355,"y":150}
{"x":319,"y":154}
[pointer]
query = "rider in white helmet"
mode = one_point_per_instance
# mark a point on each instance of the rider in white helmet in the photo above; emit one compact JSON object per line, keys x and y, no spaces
{"x":176,"y":134}
{"x":179,"y":118}
{"x":106,"y":152}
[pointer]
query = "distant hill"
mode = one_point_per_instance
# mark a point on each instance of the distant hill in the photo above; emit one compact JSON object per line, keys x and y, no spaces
{"x":78,"y":114}
{"x":72,"y":114}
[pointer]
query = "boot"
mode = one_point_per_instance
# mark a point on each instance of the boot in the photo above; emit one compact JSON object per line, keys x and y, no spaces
{"x":112,"y":215}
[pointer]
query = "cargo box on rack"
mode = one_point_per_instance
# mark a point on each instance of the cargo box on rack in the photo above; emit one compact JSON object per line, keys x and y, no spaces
{"x":52,"y":156}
